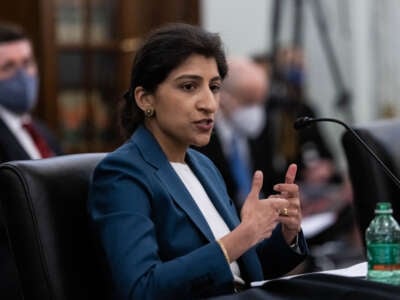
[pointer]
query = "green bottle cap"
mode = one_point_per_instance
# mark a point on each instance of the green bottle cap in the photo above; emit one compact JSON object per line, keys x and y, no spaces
{"x":383,"y":208}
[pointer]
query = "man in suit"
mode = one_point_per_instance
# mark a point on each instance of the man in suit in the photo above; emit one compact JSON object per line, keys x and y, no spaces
{"x":21,"y":136}
{"x":240,"y":119}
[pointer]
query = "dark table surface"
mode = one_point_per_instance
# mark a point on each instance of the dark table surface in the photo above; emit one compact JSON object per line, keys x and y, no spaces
{"x":319,"y":286}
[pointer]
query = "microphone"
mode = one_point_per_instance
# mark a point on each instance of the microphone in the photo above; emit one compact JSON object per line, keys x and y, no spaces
{"x":303,"y":122}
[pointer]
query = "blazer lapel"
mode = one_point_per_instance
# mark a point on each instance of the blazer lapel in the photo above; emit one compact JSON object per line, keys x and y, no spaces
{"x":154,"y":155}
{"x":249,"y":263}
{"x":227,"y":212}
{"x":183,"y":198}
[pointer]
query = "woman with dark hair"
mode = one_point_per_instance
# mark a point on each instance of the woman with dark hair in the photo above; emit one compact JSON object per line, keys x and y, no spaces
{"x":161,"y":209}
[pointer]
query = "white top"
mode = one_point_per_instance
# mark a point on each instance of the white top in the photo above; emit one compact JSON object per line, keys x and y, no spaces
{"x":210,"y":213}
{"x":14,"y":123}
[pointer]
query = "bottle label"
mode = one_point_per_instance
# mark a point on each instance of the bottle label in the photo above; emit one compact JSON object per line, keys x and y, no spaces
{"x":383,"y":257}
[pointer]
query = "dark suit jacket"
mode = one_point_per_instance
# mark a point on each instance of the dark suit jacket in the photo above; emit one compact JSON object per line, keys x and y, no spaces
{"x":11,"y":149}
{"x":283,"y":113}
{"x":158,"y":244}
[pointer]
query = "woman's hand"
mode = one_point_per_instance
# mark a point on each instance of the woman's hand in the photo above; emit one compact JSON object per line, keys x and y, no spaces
{"x":261,"y":215}
{"x":291,"y":216}
{"x":259,"y":218}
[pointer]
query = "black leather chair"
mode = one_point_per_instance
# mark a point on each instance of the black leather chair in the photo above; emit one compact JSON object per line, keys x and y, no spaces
{"x":369,"y":181}
{"x":44,"y":208}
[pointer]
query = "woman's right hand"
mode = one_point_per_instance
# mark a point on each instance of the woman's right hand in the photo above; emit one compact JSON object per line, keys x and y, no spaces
{"x":259,"y":218}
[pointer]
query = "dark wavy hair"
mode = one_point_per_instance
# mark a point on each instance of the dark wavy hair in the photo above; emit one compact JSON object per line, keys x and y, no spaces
{"x":10,"y":32}
{"x":164,"y":50}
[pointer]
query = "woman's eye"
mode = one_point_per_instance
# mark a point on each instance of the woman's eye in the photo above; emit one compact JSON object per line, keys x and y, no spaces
{"x":188,"y":87}
{"x":215,"y":88}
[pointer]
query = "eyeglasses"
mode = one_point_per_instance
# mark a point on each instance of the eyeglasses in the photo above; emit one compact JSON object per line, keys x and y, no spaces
{"x":9,"y":68}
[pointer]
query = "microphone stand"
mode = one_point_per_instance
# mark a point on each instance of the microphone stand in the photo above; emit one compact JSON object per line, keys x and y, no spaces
{"x":306,"y":121}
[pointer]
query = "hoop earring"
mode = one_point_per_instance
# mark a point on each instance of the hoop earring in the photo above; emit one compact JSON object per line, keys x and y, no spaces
{"x":149,"y":113}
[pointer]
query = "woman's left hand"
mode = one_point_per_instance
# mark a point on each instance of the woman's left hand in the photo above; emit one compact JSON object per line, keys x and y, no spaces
{"x":291,"y":216}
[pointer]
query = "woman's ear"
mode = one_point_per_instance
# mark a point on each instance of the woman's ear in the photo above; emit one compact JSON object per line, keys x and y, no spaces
{"x":143,"y":98}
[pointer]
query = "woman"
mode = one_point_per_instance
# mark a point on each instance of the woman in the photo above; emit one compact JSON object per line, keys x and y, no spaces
{"x":162,"y":211}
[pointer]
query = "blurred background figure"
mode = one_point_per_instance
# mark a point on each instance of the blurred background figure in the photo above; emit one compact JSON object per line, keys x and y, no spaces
{"x":21,"y":136}
{"x":323,"y":188}
{"x":240,"y":119}
{"x":286,"y":102}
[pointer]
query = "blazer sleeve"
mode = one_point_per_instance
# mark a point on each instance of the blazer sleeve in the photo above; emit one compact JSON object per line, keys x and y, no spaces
{"x":120,"y":207}
{"x":276,"y":256}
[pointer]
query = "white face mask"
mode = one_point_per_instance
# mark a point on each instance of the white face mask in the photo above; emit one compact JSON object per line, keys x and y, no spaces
{"x":250,"y":120}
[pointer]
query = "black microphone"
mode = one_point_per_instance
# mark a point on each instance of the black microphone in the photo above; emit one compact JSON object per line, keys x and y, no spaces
{"x":303,"y":122}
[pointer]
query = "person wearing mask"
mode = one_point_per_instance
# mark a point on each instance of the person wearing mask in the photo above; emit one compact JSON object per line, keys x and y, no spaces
{"x":21,"y":136}
{"x":161,"y":209}
{"x":323,"y":187}
{"x":241,"y":118}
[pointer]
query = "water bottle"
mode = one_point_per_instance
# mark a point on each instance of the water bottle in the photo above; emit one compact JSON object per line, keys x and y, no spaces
{"x":383,"y":246}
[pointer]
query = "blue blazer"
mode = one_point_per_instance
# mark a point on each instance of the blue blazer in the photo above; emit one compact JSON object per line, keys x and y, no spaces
{"x":157,"y":242}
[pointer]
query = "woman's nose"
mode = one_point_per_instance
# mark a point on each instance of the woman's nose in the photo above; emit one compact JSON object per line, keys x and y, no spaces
{"x":209,"y":101}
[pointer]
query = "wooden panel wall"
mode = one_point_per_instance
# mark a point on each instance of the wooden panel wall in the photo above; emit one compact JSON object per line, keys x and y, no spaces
{"x":135,"y":19}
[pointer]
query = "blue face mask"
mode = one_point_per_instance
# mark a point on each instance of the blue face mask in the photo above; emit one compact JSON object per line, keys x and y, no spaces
{"x":295,"y":75}
{"x":19,"y":93}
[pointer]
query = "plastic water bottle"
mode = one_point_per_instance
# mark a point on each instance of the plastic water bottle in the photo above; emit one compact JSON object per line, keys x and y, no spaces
{"x":383,"y":246}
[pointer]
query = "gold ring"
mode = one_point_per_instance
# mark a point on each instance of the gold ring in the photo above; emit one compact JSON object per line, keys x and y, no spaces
{"x":284,"y":212}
